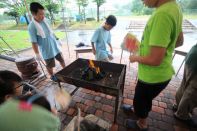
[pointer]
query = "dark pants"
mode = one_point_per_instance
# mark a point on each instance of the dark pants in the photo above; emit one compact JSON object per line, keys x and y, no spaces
{"x":144,"y":94}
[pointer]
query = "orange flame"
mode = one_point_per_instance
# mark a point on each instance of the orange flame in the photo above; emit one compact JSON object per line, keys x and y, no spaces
{"x":97,"y":70}
{"x":91,"y":64}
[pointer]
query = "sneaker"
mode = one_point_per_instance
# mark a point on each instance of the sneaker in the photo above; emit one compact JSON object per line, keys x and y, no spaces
{"x":54,"y":78}
{"x":127,"y":108}
{"x":132,"y":124}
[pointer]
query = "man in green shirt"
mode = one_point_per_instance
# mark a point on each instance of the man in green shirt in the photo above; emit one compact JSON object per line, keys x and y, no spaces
{"x":162,"y":34}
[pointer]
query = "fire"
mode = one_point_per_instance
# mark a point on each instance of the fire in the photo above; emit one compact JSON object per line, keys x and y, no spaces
{"x":97,"y":70}
{"x":91,"y":65}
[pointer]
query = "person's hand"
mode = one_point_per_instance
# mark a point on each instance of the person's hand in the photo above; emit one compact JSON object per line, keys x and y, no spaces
{"x":133,"y":58}
{"x":54,"y":111}
{"x":111,"y":50}
{"x":38,"y":57}
{"x":94,"y":51}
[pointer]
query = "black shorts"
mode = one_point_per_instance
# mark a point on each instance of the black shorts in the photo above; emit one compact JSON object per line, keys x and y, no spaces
{"x":50,"y":63}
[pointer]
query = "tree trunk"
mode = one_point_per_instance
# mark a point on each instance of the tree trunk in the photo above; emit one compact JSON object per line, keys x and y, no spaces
{"x":98,"y":14}
{"x":98,"y":19}
{"x":51,"y":17}
{"x":79,"y":9}
{"x":27,"y":21}
{"x":16,"y":20}
{"x":84,"y":15}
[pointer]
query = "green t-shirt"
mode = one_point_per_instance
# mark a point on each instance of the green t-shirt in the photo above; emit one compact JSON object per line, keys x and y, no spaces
{"x":191,"y":57}
{"x":13,"y":118}
{"x":162,"y":30}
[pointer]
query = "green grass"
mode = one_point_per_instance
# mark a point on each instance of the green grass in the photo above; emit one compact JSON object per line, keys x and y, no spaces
{"x":19,"y":40}
{"x":16,"y":39}
{"x":12,"y":26}
{"x":73,"y":25}
{"x":88,"y":26}
{"x":80,"y":25}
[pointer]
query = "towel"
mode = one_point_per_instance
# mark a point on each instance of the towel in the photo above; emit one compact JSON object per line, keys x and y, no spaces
{"x":40,"y":30}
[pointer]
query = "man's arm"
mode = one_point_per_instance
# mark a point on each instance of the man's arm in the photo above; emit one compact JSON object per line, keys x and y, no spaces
{"x":35,"y":47}
{"x":155,"y":57}
{"x":36,"y":51}
{"x":180,"y":40}
{"x":111,"y":49}
{"x":93,"y":48}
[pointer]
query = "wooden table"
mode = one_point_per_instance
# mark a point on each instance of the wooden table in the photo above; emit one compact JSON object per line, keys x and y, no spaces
{"x":85,"y":49}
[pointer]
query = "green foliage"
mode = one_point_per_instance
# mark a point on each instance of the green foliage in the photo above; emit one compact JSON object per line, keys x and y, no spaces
{"x":12,"y":13}
{"x":82,"y":3}
{"x":99,"y":2}
{"x":2,"y":5}
{"x":138,"y":8}
{"x":188,"y":4}
{"x":20,"y":8}
{"x":52,"y":7}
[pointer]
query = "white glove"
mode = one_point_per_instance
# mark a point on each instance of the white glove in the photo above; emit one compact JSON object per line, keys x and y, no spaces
{"x":38,"y":57}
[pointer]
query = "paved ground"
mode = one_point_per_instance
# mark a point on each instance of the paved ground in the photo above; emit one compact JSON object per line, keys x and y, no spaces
{"x":102,"y":105}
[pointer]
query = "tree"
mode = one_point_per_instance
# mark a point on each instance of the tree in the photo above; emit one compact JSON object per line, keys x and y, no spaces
{"x":16,"y":8}
{"x":19,"y":7}
{"x":82,"y":3}
{"x":138,"y":8}
{"x":1,"y":5}
{"x":79,"y":6}
{"x":13,"y":14}
{"x":98,"y":4}
{"x":188,"y":4}
{"x":52,"y":8}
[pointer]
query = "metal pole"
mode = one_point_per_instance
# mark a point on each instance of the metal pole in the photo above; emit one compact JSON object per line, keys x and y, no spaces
{"x":65,"y":29}
{"x":42,"y":67}
{"x":9,"y":46}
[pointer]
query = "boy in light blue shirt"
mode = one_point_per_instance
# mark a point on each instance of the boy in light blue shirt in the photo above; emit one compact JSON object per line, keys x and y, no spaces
{"x":101,"y":38}
{"x":43,"y":38}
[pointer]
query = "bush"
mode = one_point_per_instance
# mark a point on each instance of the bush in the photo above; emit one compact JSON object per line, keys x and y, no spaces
{"x":90,"y":19}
